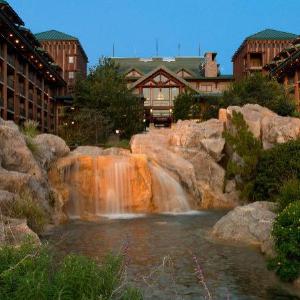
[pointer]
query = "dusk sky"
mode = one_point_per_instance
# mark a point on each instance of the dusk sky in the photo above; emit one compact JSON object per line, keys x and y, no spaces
{"x":134,"y":25}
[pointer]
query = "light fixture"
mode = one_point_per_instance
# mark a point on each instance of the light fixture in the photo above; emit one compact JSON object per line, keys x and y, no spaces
{"x":117,"y":131}
{"x":40,"y":65}
{"x":171,"y":110}
{"x":73,"y":122}
{"x":11,"y":35}
{"x":17,"y":41}
{"x":72,"y":108}
{"x":31,"y":56}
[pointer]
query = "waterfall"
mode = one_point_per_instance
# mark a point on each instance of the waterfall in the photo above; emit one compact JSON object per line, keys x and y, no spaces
{"x":168,"y":195}
{"x":113,"y":184}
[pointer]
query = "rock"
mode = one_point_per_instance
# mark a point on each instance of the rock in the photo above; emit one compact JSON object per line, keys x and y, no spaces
{"x":12,"y":181}
{"x":278,"y":130}
{"x":116,"y":151}
{"x":15,"y":232}
{"x":87,"y":150}
{"x":265,"y":125}
{"x":15,"y":154}
{"x":51,"y":147}
{"x":194,"y":135}
{"x":251,"y":224}
{"x":6,"y":199}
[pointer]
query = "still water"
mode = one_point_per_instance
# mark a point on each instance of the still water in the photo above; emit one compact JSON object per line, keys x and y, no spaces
{"x":161,"y":249}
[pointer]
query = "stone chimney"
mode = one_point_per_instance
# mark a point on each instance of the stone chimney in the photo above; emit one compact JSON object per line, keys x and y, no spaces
{"x":211,"y":67}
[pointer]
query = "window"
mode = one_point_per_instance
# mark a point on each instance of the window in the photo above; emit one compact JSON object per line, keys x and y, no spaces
{"x":71,"y":59}
{"x":71,"y":75}
{"x":146,"y":93}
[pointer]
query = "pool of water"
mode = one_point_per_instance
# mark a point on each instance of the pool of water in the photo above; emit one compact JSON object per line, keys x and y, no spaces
{"x":161,"y":250}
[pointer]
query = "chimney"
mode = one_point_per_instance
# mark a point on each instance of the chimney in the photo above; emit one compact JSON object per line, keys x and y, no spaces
{"x":211,"y":67}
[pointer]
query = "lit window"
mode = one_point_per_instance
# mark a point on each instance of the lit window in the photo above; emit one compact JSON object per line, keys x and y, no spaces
{"x":71,"y":75}
{"x":71,"y":59}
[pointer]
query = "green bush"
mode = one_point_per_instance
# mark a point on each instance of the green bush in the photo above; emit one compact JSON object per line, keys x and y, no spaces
{"x":185,"y":106}
{"x":276,"y":166}
{"x":248,"y":148}
{"x":30,"y":128}
{"x":286,"y":233}
{"x":288,"y":193}
{"x":33,"y":273}
{"x":26,"y":207}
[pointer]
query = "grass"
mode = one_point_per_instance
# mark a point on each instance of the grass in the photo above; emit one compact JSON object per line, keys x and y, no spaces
{"x":34,"y":273}
{"x":26,"y":207}
{"x":30,"y":131}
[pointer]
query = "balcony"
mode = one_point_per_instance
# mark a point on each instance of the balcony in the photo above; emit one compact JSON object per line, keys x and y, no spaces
{"x":10,"y":104}
{"x":10,"y":83}
{"x":11,"y":60}
{"x":22,"y":69}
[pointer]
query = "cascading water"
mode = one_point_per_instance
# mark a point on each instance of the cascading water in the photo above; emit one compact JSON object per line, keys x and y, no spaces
{"x":168,"y":195}
{"x":113,"y":184}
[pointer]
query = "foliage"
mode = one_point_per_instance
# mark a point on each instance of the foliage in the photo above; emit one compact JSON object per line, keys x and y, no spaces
{"x":255,"y":89}
{"x":30,"y":128}
{"x":288,"y":193}
{"x":26,"y":207}
{"x":286,"y":233}
{"x":185,"y":106}
{"x":30,"y":131}
{"x":120,"y":144}
{"x":248,"y":150}
{"x":31,"y":272}
{"x":105,"y":92}
{"x":276,"y":166}
{"x":85,"y":126}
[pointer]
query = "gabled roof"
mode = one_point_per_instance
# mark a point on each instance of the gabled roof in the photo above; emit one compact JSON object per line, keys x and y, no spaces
{"x":267,"y":34}
{"x":271,"y":34}
{"x":162,"y":67}
{"x":55,"y":35}
{"x":193,"y":65}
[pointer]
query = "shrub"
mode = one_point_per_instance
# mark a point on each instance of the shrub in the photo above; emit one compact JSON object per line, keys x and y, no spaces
{"x":259,"y":89}
{"x":288,"y":193}
{"x":286,"y":235}
{"x":248,"y":148}
{"x":275,"y":166}
{"x":30,"y":128}
{"x":185,"y":107}
{"x":31,"y":272}
{"x":26,"y":207}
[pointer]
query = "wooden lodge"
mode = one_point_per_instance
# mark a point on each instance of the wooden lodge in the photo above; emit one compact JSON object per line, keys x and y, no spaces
{"x":160,"y":80}
{"x":258,"y":50}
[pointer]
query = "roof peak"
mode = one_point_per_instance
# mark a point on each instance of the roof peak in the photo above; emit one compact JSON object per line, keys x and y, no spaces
{"x":273,"y":34}
{"x":54,"y":34}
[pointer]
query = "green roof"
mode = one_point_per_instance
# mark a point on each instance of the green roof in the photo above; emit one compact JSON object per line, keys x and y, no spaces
{"x":192,"y":65}
{"x":271,"y":34}
{"x":54,"y":35}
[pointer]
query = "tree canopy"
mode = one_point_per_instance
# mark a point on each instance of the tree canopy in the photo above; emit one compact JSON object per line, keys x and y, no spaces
{"x":104,"y":96}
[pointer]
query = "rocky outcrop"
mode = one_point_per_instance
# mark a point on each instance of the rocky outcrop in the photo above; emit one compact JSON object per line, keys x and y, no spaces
{"x":265,"y":125}
{"x":191,"y":151}
{"x":249,"y":224}
{"x":15,"y":232}
{"x":50,"y":148}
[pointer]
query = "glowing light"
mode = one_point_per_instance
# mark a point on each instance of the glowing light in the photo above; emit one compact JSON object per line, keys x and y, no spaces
{"x":17,"y":41}
{"x":11,"y":35}
{"x":117,"y":131}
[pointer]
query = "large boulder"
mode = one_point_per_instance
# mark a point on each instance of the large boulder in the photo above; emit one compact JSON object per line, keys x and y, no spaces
{"x":251,"y":224}
{"x":265,"y":125}
{"x":50,"y":148}
{"x":199,"y":136}
{"x":6,"y":199}
{"x":12,"y":181}
{"x":15,"y":155}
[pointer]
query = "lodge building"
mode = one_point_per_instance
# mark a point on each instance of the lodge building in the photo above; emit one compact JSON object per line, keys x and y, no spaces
{"x":160,"y":80}
{"x":258,"y":50}
{"x":29,"y":78}
{"x":285,"y":67}
{"x":67,"y":52}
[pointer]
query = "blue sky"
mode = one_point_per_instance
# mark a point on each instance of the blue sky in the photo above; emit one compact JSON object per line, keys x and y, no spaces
{"x":134,"y":25}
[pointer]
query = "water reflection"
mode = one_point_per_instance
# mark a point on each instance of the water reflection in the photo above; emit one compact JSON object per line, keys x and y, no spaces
{"x":161,"y":249}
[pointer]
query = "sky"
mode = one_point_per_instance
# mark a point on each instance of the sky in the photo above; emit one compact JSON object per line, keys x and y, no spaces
{"x":134,"y":26}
